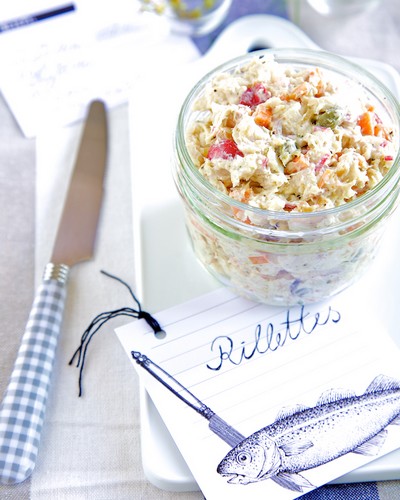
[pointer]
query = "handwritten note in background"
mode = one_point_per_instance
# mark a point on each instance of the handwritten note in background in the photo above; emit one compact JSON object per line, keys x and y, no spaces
{"x":246,"y":362}
{"x":51,"y":69}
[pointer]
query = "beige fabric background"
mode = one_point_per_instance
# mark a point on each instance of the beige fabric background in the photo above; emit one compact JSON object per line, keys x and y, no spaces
{"x":374,"y":35}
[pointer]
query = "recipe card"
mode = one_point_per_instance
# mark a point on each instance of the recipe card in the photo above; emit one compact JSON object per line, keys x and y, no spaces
{"x":57,"y":57}
{"x":269,"y":402}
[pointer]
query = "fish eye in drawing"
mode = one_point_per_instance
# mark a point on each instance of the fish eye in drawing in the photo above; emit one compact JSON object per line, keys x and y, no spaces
{"x":243,"y":458}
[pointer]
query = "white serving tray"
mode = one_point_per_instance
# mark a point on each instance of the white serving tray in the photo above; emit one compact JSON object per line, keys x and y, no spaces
{"x":166,"y":270}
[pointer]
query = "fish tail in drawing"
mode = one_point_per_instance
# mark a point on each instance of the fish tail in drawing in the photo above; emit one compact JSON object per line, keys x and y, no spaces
{"x":302,"y":438}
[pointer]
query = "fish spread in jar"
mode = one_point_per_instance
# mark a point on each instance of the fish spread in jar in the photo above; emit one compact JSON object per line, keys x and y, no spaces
{"x":283,"y":138}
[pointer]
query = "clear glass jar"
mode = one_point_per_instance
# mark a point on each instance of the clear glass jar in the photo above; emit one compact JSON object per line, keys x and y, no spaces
{"x":286,"y":258}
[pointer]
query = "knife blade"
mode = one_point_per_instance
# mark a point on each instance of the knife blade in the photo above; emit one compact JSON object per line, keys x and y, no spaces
{"x":24,"y":403}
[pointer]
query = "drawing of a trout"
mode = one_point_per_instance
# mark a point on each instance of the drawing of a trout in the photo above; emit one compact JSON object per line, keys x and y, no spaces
{"x":303,"y":438}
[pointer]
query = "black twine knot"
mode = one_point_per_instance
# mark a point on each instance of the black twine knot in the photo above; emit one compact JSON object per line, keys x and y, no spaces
{"x":151,"y":321}
{"x":103,"y":318}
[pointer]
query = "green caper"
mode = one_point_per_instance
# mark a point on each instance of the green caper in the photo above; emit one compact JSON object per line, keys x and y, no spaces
{"x":330,"y":118}
{"x":287,"y":150}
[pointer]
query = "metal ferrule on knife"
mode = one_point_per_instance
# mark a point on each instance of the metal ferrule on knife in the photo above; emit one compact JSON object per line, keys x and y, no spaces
{"x":57,"y":272}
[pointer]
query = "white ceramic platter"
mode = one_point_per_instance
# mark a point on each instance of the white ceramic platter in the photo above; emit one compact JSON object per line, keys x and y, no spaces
{"x":166,"y":270}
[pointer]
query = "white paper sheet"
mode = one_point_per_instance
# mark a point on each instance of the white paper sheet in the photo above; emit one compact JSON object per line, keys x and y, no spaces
{"x":53,"y":68}
{"x":247,"y":362}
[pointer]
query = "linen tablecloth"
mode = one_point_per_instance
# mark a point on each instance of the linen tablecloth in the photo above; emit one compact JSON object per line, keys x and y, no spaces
{"x":103,"y":461}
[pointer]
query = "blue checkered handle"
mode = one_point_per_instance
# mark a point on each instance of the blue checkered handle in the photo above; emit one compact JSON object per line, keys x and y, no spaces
{"x":24,"y":404}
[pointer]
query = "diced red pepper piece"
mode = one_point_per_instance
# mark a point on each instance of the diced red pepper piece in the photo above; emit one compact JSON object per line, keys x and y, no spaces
{"x":225,"y":150}
{"x":289,"y":207}
{"x":255,"y":95}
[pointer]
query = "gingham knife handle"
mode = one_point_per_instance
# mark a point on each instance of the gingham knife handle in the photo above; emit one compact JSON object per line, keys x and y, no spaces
{"x":24,"y":403}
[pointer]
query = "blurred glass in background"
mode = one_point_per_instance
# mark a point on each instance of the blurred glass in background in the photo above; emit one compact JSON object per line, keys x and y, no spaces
{"x":340,"y":8}
{"x":190,"y":17}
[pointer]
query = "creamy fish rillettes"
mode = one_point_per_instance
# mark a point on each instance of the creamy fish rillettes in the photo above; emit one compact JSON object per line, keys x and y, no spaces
{"x":280,"y":138}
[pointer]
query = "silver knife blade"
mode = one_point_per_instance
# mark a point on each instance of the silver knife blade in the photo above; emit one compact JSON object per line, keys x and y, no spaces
{"x":23,"y":407}
{"x":77,"y":228}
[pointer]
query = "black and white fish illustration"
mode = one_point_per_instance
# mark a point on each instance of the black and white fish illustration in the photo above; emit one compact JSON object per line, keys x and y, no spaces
{"x":303,"y":438}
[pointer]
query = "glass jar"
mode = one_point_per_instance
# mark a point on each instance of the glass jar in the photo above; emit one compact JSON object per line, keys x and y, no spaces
{"x":286,"y":258}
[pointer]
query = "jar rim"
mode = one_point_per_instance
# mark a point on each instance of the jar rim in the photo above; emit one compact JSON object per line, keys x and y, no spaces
{"x":301,"y":57}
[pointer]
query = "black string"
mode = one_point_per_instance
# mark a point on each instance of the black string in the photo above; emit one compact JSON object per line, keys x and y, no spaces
{"x":103,"y":318}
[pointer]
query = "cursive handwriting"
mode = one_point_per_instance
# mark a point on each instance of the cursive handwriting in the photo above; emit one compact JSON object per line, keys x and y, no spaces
{"x":271,"y":337}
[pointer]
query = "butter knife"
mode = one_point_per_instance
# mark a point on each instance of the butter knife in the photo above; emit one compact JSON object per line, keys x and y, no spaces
{"x":23,"y":407}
